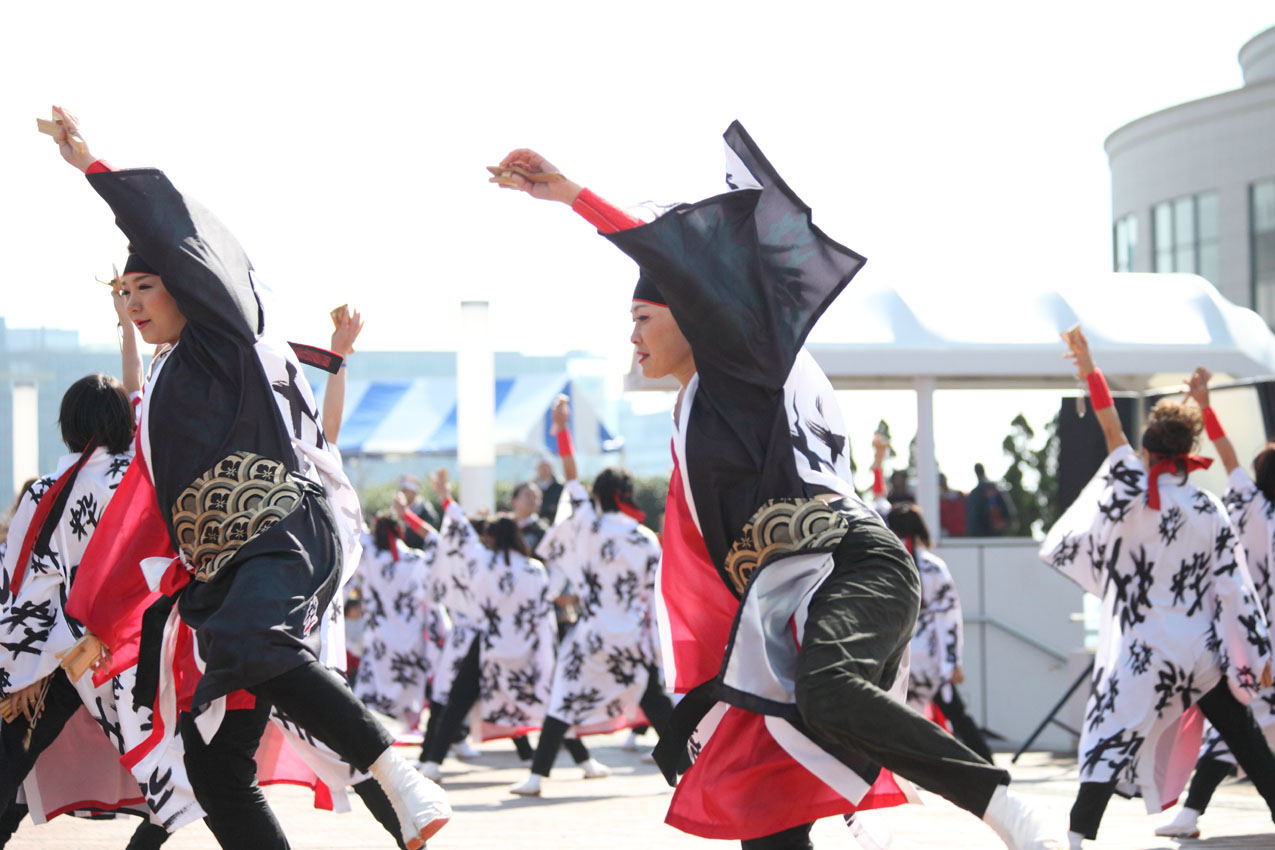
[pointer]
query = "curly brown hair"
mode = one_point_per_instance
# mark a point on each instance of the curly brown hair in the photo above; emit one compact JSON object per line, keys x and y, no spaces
{"x":1173,"y":427}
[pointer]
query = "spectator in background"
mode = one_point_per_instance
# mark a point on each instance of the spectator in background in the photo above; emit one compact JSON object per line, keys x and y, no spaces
{"x":410,"y":488}
{"x":899,"y":490}
{"x":951,"y":509}
{"x":550,"y":489}
{"x":988,"y":511}
{"x":526,"y":503}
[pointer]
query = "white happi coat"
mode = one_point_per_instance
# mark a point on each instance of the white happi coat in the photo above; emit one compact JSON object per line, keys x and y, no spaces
{"x":399,"y":625}
{"x":611,"y":559}
{"x":503,"y":597}
{"x":1253,"y":516}
{"x":34,"y":629}
{"x":1179,"y":616}
{"x":939,"y":637}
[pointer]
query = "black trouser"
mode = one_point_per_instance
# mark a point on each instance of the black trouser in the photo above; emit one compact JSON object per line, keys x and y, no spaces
{"x":447,"y":720}
{"x":1234,"y":722}
{"x":147,"y":836}
{"x":963,"y":726}
{"x":10,"y":821}
{"x":796,"y":838}
{"x":451,"y":714}
{"x":655,"y":705}
{"x":16,"y":760}
{"x":1209,"y":774}
{"x":859,"y":624}
{"x":223,"y":773}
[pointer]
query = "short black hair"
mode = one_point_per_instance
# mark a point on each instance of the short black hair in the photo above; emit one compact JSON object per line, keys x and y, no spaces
{"x":611,"y":487}
{"x":504,"y":533}
{"x":96,"y":408}
{"x":905,"y":521}
{"x":1264,"y":470}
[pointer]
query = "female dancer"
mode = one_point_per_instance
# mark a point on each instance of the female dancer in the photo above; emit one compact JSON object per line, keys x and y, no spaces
{"x":234,"y":449}
{"x":606,"y":664}
{"x":936,"y":646}
{"x":729,"y":288}
{"x":1250,"y":504}
{"x":500,"y":588}
{"x":398,"y":650}
{"x":1181,"y":624}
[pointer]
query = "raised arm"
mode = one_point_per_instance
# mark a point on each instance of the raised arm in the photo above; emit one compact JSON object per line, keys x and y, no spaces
{"x":347,"y":331}
{"x":1103,"y":405}
{"x":199,"y":261}
{"x":131,"y":373}
{"x":562,"y":428}
{"x":599,"y":212}
{"x":1198,"y":389}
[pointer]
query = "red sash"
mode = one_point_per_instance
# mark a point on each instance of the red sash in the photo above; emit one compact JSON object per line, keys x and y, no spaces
{"x":743,"y":784}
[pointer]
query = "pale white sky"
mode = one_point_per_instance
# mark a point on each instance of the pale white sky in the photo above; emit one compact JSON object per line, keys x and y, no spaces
{"x":955,"y":145}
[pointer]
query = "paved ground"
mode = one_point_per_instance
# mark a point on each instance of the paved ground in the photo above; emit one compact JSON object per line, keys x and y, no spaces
{"x":625,"y":812}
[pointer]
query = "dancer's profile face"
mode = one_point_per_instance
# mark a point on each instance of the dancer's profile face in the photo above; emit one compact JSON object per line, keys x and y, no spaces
{"x":660,"y":346}
{"x":151,"y":309}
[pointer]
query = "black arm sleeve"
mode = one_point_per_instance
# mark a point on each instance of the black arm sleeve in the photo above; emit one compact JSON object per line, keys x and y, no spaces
{"x":201,"y":264}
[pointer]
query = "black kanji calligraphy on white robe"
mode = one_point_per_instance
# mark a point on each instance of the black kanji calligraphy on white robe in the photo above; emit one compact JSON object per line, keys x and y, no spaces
{"x":603,"y":662}
{"x":1179,"y":615}
{"x":35,"y":629}
{"x":398,"y":655}
{"x":504,"y":600}
{"x":1253,"y":516}
{"x":939,"y":637}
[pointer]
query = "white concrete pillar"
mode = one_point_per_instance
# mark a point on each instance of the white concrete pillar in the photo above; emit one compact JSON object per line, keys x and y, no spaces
{"x":927,"y":471}
{"x":26,"y":433}
{"x":476,"y":409}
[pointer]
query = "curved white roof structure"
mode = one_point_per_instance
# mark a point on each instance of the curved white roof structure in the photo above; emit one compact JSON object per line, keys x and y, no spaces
{"x":1139,"y":326}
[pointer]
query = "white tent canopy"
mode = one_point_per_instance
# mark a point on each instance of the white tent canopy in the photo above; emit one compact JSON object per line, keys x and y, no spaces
{"x":1145,"y":330}
{"x":1139,"y":326}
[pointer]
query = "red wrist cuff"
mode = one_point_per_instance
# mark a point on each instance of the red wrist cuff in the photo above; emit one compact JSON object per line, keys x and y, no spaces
{"x":603,"y":215}
{"x":99,"y":166}
{"x":447,"y":503}
{"x":878,"y":482}
{"x":565,"y":447}
{"x":1212,"y":426}
{"x":1098,"y":392}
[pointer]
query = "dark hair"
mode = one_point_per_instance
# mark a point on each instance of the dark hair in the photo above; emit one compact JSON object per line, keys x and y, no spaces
{"x":979,"y":471}
{"x":1173,"y":428}
{"x":96,"y":407}
{"x":905,"y":521}
{"x":385,"y":528}
{"x":1264,"y":470}
{"x":505,"y":535}
{"x":611,"y":487}
{"x":518,"y":490}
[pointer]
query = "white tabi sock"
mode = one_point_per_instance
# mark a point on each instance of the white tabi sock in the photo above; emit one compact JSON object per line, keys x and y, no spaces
{"x":421,"y":805}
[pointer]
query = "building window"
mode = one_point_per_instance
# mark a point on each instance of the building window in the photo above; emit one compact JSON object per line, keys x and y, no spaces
{"x":1185,"y":235}
{"x":1126,"y":247}
{"x":1262,"y":247}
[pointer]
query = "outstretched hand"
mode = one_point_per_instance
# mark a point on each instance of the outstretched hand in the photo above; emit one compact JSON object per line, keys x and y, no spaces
{"x":561,"y":414}
{"x":1078,"y":351}
{"x":1197,"y":386}
{"x":70,"y":141}
{"x":564,"y":191}
{"x":347,"y":332}
{"x":442,"y":487}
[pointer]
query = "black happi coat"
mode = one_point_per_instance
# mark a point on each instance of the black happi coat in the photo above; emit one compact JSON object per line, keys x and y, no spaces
{"x":208,"y":398}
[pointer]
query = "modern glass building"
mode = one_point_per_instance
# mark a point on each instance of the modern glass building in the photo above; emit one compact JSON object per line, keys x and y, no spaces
{"x":1193,"y":186}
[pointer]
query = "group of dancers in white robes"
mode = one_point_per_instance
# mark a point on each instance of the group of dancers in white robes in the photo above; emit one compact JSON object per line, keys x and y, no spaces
{"x":780,"y":607}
